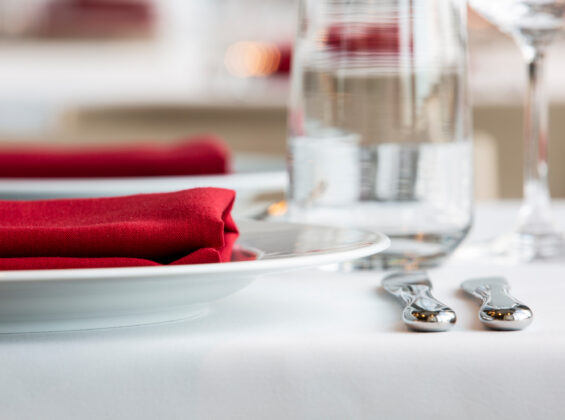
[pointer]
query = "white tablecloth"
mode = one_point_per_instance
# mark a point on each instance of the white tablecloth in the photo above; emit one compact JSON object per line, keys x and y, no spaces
{"x":307,"y":345}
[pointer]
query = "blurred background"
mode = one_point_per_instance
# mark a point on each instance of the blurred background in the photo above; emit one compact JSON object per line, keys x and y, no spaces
{"x":113,"y":71}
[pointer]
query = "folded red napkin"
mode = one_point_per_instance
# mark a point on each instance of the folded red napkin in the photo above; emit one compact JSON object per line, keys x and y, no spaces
{"x":196,"y":156}
{"x":185,"y":227}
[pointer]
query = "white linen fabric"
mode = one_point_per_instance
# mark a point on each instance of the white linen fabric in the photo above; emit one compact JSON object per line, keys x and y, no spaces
{"x":307,"y":345}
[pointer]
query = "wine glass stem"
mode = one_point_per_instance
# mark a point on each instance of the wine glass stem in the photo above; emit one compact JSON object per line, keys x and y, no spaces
{"x":535,"y":215}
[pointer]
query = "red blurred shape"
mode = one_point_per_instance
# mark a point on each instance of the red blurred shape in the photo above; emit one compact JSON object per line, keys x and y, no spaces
{"x":381,"y":38}
{"x":285,"y":60}
{"x":96,"y":18}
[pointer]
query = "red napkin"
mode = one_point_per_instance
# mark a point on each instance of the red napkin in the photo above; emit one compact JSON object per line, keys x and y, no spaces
{"x":197,"y":156}
{"x":184,"y":227}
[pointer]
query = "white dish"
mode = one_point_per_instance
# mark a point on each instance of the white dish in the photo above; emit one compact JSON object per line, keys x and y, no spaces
{"x":254,"y":174}
{"x":54,"y":300}
{"x":38,"y":188}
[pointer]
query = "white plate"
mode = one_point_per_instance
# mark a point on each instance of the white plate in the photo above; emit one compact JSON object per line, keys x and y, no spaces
{"x":253,"y":175}
{"x":248,"y":187}
{"x":38,"y":188}
{"x":53,"y":300}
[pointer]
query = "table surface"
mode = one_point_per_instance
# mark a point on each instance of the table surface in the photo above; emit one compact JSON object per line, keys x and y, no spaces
{"x":308,"y":345}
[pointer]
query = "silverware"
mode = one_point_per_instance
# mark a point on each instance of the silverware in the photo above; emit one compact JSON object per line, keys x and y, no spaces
{"x":499,"y":310}
{"x":422,"y":312}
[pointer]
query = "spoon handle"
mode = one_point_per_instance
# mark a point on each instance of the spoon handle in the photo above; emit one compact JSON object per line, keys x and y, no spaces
{"x":422,"y":311}
{"x":499,"y":310}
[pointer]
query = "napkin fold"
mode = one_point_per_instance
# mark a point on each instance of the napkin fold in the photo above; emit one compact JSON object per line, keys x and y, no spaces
{"x":185,"y":227}
{"x":194,"y":156}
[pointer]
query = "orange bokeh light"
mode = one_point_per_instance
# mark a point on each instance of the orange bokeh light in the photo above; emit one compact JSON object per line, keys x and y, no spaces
{"x":252,"y":59}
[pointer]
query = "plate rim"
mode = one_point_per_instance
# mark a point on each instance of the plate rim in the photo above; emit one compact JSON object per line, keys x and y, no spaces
{"x":378,"y":243}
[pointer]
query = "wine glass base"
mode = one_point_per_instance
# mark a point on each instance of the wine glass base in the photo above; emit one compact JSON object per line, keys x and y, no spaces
{"x":518,"y":248}
{"x":548,"y":246}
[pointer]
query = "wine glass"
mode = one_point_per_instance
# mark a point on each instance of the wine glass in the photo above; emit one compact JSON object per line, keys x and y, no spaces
{"x":533,"y":24}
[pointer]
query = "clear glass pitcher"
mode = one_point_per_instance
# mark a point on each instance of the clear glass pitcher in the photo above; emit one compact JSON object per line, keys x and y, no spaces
{"x":379,"y":123}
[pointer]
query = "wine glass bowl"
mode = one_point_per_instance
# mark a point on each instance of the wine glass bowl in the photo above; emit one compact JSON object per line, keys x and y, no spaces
{"x":521,"y":13}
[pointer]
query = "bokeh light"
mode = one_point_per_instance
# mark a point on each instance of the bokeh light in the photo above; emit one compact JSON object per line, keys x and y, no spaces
{"x":252,"y":59}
